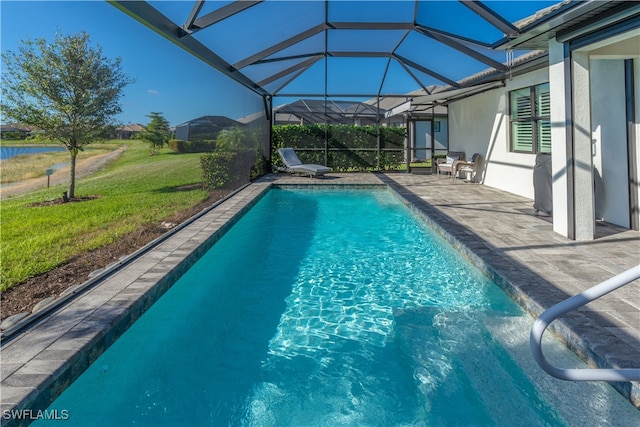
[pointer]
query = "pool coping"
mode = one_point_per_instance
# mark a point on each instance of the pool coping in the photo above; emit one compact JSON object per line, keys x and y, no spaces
{"x":592,"y":342}
{"x":52,"y":353}
{"x":569,"y":329}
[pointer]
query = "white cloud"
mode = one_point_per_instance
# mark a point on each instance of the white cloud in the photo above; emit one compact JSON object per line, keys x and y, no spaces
{"x":153,"y":92}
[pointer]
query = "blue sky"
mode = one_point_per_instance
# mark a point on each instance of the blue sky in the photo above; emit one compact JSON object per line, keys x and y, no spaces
{"x":171,"y":81}
{"x":167,"y":79}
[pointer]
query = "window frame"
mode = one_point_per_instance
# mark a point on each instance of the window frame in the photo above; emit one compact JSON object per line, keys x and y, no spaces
{"x":533,"y":119}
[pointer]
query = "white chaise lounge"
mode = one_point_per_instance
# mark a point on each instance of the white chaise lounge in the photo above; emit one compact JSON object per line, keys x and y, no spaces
{"x":294,"y":165}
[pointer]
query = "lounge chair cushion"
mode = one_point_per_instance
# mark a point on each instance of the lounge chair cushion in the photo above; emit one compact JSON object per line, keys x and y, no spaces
{"x":293,"y":164}
{"x":289,"y":157}
{"x":310,"y":169}
{"x":446,"y":165}
{"x":468,"y":167}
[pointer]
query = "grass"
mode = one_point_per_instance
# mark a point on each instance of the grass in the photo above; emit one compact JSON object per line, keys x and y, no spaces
{"x":424,"y":164}
{"x":23,"y":167}
{"x":134,"y":190}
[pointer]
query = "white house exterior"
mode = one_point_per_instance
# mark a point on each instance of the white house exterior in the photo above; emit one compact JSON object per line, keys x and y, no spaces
{"x":480,"y":124}
{"x":593,"y":77}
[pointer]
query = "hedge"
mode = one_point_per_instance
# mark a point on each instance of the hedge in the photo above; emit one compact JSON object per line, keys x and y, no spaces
{"x":231,"y":168}
{"x":350,"y":147}
{"x":180,"y":146}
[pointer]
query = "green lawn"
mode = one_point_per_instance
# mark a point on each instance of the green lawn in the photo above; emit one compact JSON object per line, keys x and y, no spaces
{"x":425,"y":164}
{"x":134,"y":190}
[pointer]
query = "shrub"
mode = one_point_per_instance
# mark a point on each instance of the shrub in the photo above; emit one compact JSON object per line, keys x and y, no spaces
{"x":180,"y":146}
{"x":175,"y":145}
{"x":227,"y":169}
{"x":14,"y":135}
{"x":261,"y":165}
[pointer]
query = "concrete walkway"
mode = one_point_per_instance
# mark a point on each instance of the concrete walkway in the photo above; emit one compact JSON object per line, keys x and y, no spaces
{"x":495,"y":230}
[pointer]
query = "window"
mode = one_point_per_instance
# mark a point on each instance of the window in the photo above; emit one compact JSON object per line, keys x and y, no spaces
{"x":530,"y":116}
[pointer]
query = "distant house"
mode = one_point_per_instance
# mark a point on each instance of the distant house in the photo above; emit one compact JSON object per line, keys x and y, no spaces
{"x":129,"y":131}
{"x":16,"y":131}
{"x":307,"y":111}
{"x":204,"y":128}
{"x":254,"y":120}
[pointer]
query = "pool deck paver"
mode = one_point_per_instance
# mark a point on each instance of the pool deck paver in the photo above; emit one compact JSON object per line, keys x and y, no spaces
{"x":496,"y":230}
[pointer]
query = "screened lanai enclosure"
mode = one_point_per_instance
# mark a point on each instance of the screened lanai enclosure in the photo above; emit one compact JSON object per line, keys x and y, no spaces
{"x":339,"y":81}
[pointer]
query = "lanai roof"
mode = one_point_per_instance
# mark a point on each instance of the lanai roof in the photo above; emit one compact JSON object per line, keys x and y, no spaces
{"x":304,"y":49}
{"x":317,"y":111}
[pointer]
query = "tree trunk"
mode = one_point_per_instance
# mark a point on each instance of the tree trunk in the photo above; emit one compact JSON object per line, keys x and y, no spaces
{"x":72,"y":173}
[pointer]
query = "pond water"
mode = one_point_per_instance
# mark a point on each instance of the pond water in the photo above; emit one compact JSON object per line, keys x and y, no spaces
{"x":7,"y":152}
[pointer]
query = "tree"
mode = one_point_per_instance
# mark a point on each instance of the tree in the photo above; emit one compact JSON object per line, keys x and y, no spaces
{"x":67,"y":89}
{"x":156,"y":132}
{"x":231,"y":139}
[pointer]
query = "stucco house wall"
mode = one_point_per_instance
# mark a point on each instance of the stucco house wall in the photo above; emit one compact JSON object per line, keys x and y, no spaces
{"x":480,"y":124}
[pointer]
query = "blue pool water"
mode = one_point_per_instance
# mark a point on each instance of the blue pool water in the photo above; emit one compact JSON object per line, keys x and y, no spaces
{"x":7,"y":152}
{"x":320,"y":308}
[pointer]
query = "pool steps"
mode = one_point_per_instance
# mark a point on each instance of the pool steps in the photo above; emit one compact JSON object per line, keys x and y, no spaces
{"x":484,"y":347}
{"x":569,"y":305}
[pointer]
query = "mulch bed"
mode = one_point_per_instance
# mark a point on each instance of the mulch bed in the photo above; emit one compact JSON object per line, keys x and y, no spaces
{"x":25,"y":295}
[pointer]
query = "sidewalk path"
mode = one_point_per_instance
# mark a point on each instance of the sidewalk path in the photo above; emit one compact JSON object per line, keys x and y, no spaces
{"x":84,"y":167}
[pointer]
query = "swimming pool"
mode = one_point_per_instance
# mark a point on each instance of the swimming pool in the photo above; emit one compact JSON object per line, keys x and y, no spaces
{"x":323,"y":308}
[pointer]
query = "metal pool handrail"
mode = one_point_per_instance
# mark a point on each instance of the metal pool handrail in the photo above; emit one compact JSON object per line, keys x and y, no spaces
{"x":577,"y":301}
